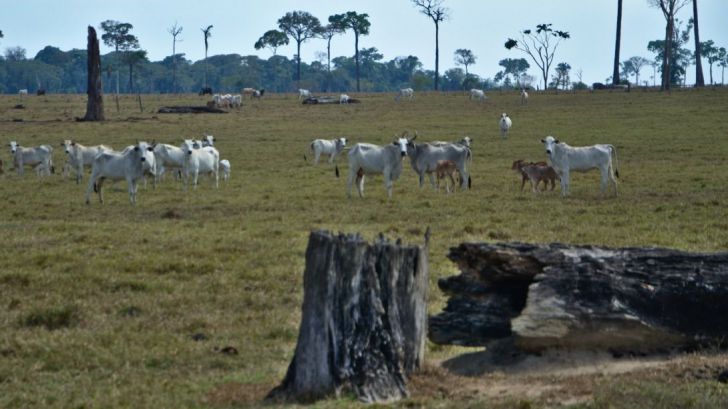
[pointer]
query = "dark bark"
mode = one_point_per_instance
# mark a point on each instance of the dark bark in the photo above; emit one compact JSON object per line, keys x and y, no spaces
{"x":546,"y":296}
{"x":191,"y":110}
{"x":363,"y":320}
{"x":699,"y":79}
{"x":666,"y":55}
{"x":615,"y":73}
{"x":437,"y":55}
{"x":94,"y":89}
{"x":356,"y":55}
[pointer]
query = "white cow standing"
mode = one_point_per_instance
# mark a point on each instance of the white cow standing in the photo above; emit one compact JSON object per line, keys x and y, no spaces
{"x":80,"y":155}
{"x":344,"y":99}
{"x":331,"y":147}
{"x":168,"y":157}
{"x":128,"y":165}
{"x":225,"y":168}
{"x":478,"y":94}
{"x":424,"y":158}
{"x":200,"y":160}
{"x":408,"y":93}
{"x":41,"y":157}
{"x":505,"y":124}
{"x":368,"y":159}
{"x":303,"y":94}
{"x":564,"y":159}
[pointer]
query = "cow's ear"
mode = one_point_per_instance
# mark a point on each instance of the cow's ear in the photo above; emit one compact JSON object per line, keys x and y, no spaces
{"x":136,"y":148}
{"x":150,"y":149}
{"x":556,"y":140}
{"x":542,"y":141}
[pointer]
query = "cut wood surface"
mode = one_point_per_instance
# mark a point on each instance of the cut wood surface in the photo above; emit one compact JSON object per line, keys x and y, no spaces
{"x":545,"y":296}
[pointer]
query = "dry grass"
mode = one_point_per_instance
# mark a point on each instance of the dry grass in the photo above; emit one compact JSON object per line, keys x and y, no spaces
{"x":131,"y":286}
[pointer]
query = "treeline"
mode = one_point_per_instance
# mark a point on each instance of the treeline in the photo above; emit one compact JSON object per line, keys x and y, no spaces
{"x":58,"y":71}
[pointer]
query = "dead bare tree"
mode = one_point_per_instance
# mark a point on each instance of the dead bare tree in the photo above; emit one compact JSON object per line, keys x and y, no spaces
{"x":437,"y":13}
{"x":175,"y":31}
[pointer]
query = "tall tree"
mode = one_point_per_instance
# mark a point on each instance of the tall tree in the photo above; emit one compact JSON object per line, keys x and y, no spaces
{"x":634,"y":66}
{"x":301,"y":26}
{"x":514,"y":67}
{"x":539,"y":46}
{"x":272,"y":39}
{"x":669,"y":8}
{"x":327,"y":33}
{"x":562,"y":75}
{"x":437,"y":13}
{"x":207,"y":33}
{"x":712,"y":53}
{"x":679,"y":56}
{"x":464,"y":57}
{"x":615,"y":73}
{"x":132,"y":59}
{"x":699,"y":79}
{"x":94,"y":88}
{"x":723,"y":62}
{"x":117,"y":35}
{"x":359,"y":24}
{"x":174,"y":31}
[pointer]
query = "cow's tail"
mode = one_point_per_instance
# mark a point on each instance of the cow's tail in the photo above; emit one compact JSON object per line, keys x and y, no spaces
{"x":470,"y":182}
{"x":616,"y":163}
{"x":336,"y":170}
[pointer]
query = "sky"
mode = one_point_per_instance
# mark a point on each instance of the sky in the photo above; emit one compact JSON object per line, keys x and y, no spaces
{"x":397,"y":29}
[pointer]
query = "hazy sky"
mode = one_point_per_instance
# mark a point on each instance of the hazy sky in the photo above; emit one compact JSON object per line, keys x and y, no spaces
{"x":397,"y":28}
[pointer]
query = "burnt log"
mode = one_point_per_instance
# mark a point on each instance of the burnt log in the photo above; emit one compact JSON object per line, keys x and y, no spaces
{"x":327,"y":101}
{"x":195,"y":109}
{"x":363,"y":323}
{"x":577,"y":297}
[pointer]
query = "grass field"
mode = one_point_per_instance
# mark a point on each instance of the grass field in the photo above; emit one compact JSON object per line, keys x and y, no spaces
{"x":99,"y":303}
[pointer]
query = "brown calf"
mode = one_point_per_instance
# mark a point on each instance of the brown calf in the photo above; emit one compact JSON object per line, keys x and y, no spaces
{"x":535,"y":172}
{"x":446,"y":168}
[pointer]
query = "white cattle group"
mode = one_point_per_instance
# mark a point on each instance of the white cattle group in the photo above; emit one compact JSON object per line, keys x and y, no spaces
{"x":227,"y":101}
{"x":80,"y":156}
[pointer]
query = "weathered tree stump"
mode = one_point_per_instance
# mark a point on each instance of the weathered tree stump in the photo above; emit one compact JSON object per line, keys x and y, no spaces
{"x":363,"y":321}
{"x":94,"y":89}
{"x":551,"y":296}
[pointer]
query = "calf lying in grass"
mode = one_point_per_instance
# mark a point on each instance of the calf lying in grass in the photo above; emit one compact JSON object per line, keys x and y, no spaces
{"x":535,"y":172}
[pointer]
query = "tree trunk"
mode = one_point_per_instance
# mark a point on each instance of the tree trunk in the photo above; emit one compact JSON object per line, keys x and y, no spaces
{"x":547,"y":296}
{"x":356,"y":54}
{"x":699,"y":80}
{"x":363,"y":321}
{"x":437,"y":55}
{"x":666,"y":54}
{"x":94,"y":88}
{"x":615,"y":73}
{"x":298,"y":65}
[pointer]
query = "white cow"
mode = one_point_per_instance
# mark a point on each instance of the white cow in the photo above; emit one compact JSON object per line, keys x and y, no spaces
{"x":128,"y":165}
{"x":168,"y":157}
{"x":368,"y":159}
{"x":225,"y":167}
{"x":466,"y":141}
{"x":207,"y":140}
{"x":303,"y":94}
{"x":80,"y":156}
{"x":524,"y":97}
{"x":408,"y":93}
{"x":424,"y":158}
{"x":331,"y":147}
{"x":478,"y":94}
{"x":505,"y":124}
{"x":236,"y":101}
{"x":344,"y":99}
{"x":41,"y":157}
{"x":564,"y":159}
{"x":23,"y":91}
{"x":199,"y":159}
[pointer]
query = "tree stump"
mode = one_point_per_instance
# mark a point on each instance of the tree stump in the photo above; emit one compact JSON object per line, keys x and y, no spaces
{"x":363,"y":321}
{"x":556,"y":296}
{"x":94,"y":89}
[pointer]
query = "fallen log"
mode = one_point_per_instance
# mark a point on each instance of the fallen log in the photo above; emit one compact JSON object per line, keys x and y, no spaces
{"x":200,"y":109}
{"x":363,"y":320}
{"x":560,"y":296}
{"x":327,"y":100}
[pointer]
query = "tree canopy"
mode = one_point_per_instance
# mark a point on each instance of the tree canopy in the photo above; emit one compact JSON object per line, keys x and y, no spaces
{"x":540,"y":45}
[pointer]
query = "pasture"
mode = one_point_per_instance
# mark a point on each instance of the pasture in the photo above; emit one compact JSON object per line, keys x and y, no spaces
{"x":119,"y":306}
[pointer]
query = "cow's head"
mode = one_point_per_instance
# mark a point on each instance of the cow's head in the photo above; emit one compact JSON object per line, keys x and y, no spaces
{"x":208,"y":140}
{"x":404,"y":143}
{"x":145,"y":152}
{"x":549,"y":142}
{"x":67,"y":144}
{"x":189,"y":145}
{"x":13,"y":146}
{"x":340,"y":144}
{"x":466,"y":141}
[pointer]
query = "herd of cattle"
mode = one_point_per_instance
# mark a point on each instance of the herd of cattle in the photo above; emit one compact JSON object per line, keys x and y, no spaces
{"x":191,"y":159}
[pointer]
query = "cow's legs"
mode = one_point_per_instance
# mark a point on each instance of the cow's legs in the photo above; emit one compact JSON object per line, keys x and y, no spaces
{"x":464,"y":176}
{"x":360,"y":185}
{"x":99,"y":188}
{"x":388,"y":183}
{"x":316,"y":157}
{"x":432,"y":179}
{"x":217,"y":177}
{"x":195,"y":175}
{"x":79,"y":173}
{"x":90,"y":188}
{"x":565,"y":183}
{"x":349,"y":180}
{"x":422,"y":178}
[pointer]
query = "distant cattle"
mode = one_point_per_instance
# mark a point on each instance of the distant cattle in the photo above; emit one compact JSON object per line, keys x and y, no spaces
{"x":206,"y":91}
{"x":505,"y":124}
{"x":408,"y":93}
{"x":565,"y":158}
{"x":524,"y":97}
{"x":477,"y":94}
{"x":225,"y":168}
{"x":40,"y":92}
{"x":23,"y":92}
{"x":80,"y":156}
{"x":303,"y":94}
{"x":344,"y":99}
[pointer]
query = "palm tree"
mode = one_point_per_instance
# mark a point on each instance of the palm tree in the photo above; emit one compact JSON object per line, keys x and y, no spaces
{"x":206,"y":33}
{"x":615,"y":73}
{"x":699,"y":80}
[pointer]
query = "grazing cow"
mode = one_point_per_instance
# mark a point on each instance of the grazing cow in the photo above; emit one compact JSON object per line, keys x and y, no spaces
{"x":368,"y":159}
{"x":343,"y":99}
{"x":80,"y":156}
{"x":129,"y":165}
{"x":23,"y":91}
{"x":524,"y":97}
{"x":207,"y":140}
{"x":168,"y":157}
{"x":40,"y":92}
{"x":249,"y":92}
{"x":535,"y":172}
{"x":41,"y":157}
{"x":206,"y":91}
{"x":424,"y":158}
{"x":565,"y":158}
{"x":199,"y":159}
{"x":225,"y":168}
{"x":466,"y":141}
{"x":478,"y":94}
{"x":408,"y":93}
{"x":505,"y":124}
{"x":446,"y":168}
{"x":303,"y":94}
{"x":258,"y":94}
{"x":331,"y":147}
{"x":236,"y":101}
